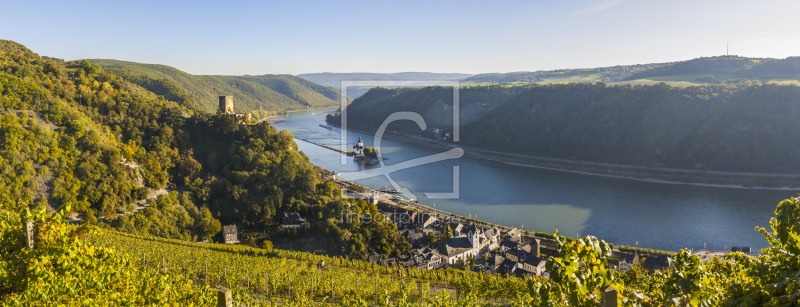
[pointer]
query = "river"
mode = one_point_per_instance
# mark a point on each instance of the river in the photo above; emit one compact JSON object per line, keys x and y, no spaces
{"x":622,"y":211}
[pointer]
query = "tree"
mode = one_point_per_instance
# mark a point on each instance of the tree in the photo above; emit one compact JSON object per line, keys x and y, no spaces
{"x":267,"y":244}
{"x":207,"y":226}
{"x":448,"y":232}
{"x":189,"y":168}
{"x":211,"y":162}
{"x":370,"y":152}
{"x":431,"y":240}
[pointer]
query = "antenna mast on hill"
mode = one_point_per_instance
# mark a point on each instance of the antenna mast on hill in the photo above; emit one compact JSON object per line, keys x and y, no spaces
{"x":727,"y":49}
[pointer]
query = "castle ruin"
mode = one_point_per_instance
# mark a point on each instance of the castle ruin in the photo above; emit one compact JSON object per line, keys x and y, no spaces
{"x":226,"y":107}
{"x":226,"y":104}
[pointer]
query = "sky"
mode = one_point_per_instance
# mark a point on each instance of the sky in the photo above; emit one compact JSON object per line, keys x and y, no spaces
{"x":295,"y":37}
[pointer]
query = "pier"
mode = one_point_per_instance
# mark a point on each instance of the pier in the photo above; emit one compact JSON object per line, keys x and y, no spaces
{"x":387,"y":190}
{"x":347,"y":152}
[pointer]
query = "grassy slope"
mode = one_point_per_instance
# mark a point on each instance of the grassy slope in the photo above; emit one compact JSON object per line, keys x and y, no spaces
{"x":270,"y":92}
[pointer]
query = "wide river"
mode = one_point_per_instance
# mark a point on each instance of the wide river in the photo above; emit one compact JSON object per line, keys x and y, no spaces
{"x":622,"y":211}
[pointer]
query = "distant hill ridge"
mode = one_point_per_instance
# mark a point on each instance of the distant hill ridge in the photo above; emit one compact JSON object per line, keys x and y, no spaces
{"x":267,"y":92}
{"x":728,"y":67}
{"x":334,"y":79}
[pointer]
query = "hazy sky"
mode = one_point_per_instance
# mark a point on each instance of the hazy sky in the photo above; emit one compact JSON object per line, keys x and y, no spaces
{"x":260,"y":37}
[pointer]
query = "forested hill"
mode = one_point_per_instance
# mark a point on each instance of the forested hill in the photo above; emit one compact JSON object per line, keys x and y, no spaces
{"x":744,"y":127}
{"x":73,"y":134}
{"x":727,"y":67}
{"x":265,"y":92}
{"x":747,"y":127}
{"x":435,"y":104}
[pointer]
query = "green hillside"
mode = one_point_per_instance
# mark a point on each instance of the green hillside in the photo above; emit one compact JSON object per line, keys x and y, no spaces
{"x":266,"y":92}
{"x":74,"y":135}
{"x":435,"y":104}
{"x":747,"y":127}
{"x":724,"y":69}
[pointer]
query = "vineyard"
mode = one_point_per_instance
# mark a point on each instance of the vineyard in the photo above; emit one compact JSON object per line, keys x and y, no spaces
{"x":279,"y":275}
{"x":49,"y":263}
{"x":155,"y":271}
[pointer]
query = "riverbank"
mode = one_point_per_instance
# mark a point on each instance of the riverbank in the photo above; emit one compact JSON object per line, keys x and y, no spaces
{"x":390,"y":202}
{"x":281,"y":117}
{"x":656,"y":180}
{"x":654,"y":175}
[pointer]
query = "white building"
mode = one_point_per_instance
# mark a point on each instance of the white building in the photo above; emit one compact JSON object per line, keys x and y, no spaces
{"x":358,"y":148}
{"x":461,"y":247}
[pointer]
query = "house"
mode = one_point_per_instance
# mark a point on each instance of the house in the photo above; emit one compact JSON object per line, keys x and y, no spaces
{"x":426,"y":259}
{"x":626,"y":261}
{"x":406,"y":262}
{"x":374,"y":258}
{"x":495,"y":263}
{"x":508,"y":266}
{"x":507,"y":243}
{"x":229,"y":234}
{"x":535,"y":265}
{"x":292,"y":220}
{"x":457,"y":248}
{"x":457,"y":228}
{"x":515,"y":246}
{"x":513,"y":233}
{"x":415,"y":236}
{"x":492,"y":234}
{"x":745,"y":249}
{"x":426,"y":220}
{"x":657,"y":263}
{"x":388,"y":262}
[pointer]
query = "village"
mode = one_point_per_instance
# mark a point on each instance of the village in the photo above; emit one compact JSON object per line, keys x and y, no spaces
{"x":441,"y":240}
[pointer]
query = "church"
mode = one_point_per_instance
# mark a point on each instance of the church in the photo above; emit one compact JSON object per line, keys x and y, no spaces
{"x":461,"y":247}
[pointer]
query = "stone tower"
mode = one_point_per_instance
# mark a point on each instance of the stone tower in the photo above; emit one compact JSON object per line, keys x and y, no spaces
{"x":226,"y":104}
{"x":535,"y":247}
